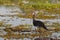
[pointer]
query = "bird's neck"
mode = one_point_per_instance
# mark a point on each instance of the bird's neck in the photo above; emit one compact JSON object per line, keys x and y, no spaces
{"x":33,"y":17}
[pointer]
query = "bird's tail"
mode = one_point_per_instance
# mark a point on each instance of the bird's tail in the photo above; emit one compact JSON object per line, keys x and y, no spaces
{"x":45,"y":28}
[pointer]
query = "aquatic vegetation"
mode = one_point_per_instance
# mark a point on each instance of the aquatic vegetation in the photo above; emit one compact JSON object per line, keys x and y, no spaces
{"x":46,"y":10}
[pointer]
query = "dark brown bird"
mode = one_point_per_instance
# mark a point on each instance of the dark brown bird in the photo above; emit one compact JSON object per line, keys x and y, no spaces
{"x":38,"y":23}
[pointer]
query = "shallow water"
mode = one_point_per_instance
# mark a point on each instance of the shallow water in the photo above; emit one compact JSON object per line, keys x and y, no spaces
{"x":15,"y":21}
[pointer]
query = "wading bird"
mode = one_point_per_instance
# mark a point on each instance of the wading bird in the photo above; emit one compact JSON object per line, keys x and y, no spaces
{"x":38,"y":23}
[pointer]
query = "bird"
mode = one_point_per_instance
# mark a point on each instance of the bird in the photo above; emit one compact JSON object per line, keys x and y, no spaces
{"x":38,"y":23}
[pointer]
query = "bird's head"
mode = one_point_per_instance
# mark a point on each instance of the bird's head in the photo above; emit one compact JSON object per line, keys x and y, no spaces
{"x":35,"y":13}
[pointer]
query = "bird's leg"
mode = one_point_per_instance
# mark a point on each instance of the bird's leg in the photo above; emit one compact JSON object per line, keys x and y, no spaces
{"x":41,"y":31}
